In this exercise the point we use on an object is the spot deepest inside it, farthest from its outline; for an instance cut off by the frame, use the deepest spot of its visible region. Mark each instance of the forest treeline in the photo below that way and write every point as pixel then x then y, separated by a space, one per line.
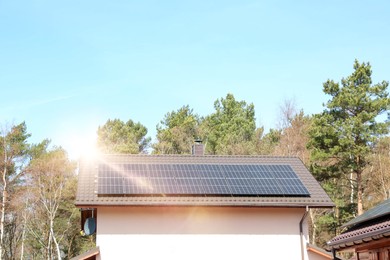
pixel 346 147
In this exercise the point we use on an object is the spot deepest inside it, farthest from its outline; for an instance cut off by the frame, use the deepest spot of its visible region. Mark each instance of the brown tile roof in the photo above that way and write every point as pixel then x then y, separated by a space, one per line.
pixel 361 235
pixel 374 224
pixel 88 171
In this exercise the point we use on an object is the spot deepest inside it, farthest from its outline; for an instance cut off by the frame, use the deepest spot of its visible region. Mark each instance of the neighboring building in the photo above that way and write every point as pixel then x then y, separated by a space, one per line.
pixel 200 207
pixel 316 253
pixel 368 235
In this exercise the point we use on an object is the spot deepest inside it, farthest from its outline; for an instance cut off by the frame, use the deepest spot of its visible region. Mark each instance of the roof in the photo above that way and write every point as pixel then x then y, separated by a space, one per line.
pixel 87 193
pixel 378 211
pixel 372 225
pixel 319 251
pixel 361 235
pixel 89 255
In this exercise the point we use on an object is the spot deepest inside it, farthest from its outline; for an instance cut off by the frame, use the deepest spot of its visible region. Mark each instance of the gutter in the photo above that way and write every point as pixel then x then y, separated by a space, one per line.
pixel 301 232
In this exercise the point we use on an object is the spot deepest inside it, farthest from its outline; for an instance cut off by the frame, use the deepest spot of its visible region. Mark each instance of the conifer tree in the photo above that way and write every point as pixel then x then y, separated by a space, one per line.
pixel 342 135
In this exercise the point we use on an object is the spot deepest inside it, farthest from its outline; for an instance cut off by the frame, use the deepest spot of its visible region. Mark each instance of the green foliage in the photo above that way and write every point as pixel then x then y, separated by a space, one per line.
pixel 52 190
pixel 231 128
pixel 37 150
pixel 348 127
pixel 38 198
pixel 177 132
pixel 50 197
pixel 267 143
pixel 341 137
pixel 13 159
pixel 116 136
pixel 13 150
pixel 324 227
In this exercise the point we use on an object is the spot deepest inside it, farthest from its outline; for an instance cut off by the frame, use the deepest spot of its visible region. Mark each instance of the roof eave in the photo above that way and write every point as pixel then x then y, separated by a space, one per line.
pixel 352 242
pixel 253 205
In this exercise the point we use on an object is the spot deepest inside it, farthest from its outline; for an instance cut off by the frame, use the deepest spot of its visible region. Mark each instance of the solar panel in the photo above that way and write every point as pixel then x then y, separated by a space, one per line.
pixel 199 180
pixel 192 186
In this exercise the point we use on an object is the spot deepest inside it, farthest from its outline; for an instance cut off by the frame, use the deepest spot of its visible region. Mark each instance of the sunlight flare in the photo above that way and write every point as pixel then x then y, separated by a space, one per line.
pixel 79 146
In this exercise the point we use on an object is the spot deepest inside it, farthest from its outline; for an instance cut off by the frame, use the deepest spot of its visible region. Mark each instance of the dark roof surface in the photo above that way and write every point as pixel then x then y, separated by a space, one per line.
pixel 87 193
pixel 381 209
pixel 361 235
pixel 374 224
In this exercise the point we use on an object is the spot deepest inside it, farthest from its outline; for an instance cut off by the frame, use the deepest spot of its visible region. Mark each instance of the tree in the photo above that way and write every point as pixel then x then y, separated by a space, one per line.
pixel 177 132
pixel 267 143
pixel 37 184
pixel 287 111
pixel 342 135
pixel 52 183
pixel 294 138
pixel 116 136
pixel 378 173
pixel 231 129
pixel 294 127
pixel 14 157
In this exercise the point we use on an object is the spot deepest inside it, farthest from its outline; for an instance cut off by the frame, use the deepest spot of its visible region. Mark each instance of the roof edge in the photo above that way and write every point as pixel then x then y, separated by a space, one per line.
pixel 89 205
pixel 90 253
pixel 319 251
pixel 365 220
pixel 348 239
pixel 191 155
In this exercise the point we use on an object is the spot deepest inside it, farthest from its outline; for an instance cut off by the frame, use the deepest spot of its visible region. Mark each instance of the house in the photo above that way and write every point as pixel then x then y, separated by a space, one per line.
pixel 199 207
pixel 367 235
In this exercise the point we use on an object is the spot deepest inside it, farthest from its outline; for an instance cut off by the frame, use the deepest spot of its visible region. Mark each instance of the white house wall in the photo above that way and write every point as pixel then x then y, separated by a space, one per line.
pixel 199 233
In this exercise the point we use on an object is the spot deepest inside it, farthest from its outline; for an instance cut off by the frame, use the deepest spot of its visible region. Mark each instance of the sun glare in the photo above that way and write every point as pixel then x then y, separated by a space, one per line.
pixel 82 147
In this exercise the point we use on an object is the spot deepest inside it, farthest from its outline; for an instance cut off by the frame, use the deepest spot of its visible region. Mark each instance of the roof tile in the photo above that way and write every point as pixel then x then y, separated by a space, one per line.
pixel 360 234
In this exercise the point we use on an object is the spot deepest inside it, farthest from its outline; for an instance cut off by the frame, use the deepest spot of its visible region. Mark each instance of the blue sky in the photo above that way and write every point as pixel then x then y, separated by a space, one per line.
pixel 68 66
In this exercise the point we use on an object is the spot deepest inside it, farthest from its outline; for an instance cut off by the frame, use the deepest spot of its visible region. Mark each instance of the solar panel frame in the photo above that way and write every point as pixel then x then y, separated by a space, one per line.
pixel 199 180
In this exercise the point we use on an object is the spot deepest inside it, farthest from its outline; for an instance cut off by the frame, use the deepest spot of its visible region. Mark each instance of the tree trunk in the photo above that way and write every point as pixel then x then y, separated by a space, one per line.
pixel 3 202
pixel 352 187
pixel 24 230
pixel 23 239
pixel 314 228
pixel 48 247
pixel 54 239
pixel 359 193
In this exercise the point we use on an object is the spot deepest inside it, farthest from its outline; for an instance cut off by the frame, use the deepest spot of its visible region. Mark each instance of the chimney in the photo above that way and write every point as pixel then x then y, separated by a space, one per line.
pixel 198 148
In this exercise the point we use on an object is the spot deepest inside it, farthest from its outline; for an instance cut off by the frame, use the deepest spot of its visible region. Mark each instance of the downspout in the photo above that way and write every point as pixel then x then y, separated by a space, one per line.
pixel 301 232
pixel 334 254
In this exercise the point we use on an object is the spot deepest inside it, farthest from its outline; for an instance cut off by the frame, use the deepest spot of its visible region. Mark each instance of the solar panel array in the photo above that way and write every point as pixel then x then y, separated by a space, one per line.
pixel 198 180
